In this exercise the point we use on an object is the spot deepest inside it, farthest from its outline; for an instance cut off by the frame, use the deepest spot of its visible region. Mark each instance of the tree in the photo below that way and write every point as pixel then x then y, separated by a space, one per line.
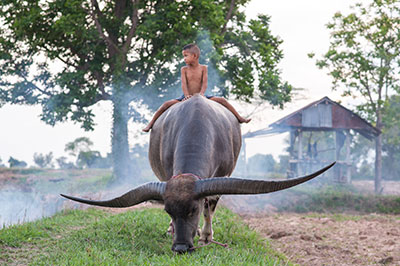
pixel 92 159
pixel 82 144
pixel 43 160
pixel 81 148
pixel 68 55
pixel 364 57
pixel 16 163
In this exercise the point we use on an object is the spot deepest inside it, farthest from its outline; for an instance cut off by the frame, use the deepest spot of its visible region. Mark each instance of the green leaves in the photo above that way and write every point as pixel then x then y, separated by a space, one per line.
pixel 364 53
pixel 249 63
pixel 68 55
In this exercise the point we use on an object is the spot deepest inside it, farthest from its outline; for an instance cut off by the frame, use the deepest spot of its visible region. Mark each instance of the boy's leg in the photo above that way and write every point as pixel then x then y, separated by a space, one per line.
pixel 159 112
pixel 225 103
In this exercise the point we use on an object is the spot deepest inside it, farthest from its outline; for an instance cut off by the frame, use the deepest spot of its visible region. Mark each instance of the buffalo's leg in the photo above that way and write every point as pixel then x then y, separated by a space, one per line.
pixel 171 230
pixel 206 234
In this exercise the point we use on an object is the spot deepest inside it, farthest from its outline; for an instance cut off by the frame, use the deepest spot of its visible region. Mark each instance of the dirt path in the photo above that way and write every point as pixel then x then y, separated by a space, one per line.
pixel 316 239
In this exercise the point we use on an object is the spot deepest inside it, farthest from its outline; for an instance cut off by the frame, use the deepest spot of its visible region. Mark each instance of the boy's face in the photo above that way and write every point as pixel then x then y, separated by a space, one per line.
pixel 189 57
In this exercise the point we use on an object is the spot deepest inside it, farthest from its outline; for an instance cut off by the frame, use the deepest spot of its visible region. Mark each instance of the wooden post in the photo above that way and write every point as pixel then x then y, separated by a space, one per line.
pixel 348 158
pixel 300 154
pixel 292 140
pixel 338 167
pixel 292 165
pixel 337 146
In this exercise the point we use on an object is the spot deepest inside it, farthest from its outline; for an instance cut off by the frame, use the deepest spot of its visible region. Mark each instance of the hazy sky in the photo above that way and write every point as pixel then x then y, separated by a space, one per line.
pixel 300 24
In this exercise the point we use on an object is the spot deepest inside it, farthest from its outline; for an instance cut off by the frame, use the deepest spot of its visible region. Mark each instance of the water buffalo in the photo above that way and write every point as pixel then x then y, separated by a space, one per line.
pixel 194 146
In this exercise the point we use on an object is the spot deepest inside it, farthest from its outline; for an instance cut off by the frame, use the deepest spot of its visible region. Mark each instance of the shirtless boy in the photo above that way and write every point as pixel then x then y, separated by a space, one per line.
pixel 194 80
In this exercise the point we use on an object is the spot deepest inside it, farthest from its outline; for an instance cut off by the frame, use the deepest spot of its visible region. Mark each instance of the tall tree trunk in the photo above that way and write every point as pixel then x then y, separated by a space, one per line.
pixel 378 156
pixel 120 145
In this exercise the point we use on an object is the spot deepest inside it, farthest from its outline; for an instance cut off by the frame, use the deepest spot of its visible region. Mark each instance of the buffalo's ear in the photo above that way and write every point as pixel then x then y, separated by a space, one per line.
pixel 226 185
pixel 148 191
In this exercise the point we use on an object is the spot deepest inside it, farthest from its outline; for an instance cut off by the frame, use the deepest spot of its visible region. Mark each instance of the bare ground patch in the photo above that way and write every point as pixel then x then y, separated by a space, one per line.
pixel 320 239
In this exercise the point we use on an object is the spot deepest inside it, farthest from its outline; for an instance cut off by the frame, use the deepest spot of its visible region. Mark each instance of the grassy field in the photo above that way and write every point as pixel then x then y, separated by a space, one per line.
pixel 97 237
pixel 340 199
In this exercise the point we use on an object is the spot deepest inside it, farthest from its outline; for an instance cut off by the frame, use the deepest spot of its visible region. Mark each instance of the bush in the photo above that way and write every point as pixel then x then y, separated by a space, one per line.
pixel 43 161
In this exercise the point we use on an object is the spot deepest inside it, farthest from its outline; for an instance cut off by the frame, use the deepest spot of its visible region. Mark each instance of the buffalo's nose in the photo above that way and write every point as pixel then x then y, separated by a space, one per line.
pixel 180 248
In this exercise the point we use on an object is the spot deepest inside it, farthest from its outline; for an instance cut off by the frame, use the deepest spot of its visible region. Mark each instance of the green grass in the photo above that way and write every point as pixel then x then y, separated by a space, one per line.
pixel 96 237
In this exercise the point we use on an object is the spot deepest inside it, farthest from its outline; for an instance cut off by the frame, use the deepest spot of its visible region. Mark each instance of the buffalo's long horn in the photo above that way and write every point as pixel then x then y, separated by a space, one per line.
pixel 222 185
pixel 148 191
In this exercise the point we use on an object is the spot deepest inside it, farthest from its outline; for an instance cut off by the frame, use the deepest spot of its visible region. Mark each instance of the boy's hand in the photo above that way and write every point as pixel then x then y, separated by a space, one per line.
pixel 186 97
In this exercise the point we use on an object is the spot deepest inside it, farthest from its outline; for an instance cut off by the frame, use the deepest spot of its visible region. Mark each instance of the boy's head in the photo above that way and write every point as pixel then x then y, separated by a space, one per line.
pixel 192 49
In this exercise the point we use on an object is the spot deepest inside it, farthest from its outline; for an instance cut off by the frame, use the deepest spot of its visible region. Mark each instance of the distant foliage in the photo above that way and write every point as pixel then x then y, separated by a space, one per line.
pixel 140 158
pixel 43 160
pixel 82 144
pixel 16 163
pixel 283 165
pixel 93 159
pixel 364 171
pixel 262 166
pixel 261 163
pixel 64 164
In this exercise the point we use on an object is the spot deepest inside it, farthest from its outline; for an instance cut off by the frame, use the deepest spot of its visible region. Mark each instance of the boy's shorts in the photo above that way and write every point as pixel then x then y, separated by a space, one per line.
pixel 183 97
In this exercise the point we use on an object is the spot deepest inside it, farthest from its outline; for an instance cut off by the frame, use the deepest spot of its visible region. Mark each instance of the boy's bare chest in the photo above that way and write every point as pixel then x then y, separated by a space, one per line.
pixel 194 75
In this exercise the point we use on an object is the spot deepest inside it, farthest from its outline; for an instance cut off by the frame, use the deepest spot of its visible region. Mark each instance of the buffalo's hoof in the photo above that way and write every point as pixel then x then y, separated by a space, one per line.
pixel 205 239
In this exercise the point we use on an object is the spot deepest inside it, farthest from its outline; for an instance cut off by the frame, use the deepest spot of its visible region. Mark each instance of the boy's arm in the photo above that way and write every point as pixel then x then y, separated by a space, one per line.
pixel 184 82
pixel 204 81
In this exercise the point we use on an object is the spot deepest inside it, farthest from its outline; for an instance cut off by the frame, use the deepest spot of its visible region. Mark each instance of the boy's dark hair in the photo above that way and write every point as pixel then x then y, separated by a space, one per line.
pixel 192 48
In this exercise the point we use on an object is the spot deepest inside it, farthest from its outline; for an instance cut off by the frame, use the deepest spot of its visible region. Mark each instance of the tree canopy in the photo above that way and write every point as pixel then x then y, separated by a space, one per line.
pixel 43 160
pixel 68 55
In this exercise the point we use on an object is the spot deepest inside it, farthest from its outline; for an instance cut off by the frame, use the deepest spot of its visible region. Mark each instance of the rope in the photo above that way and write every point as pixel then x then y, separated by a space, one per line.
pixel 178 175
pixel 209 243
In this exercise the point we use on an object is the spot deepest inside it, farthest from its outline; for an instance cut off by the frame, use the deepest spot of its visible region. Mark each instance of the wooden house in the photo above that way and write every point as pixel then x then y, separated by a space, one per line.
pixel 326 116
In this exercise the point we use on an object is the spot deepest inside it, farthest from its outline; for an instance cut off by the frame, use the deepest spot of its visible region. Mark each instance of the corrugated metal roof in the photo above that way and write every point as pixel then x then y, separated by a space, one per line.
pixel 321 115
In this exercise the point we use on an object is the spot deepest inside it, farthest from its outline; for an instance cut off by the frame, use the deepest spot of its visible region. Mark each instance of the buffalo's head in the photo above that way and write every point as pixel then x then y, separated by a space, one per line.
pixel 183 198
pixel 184 207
